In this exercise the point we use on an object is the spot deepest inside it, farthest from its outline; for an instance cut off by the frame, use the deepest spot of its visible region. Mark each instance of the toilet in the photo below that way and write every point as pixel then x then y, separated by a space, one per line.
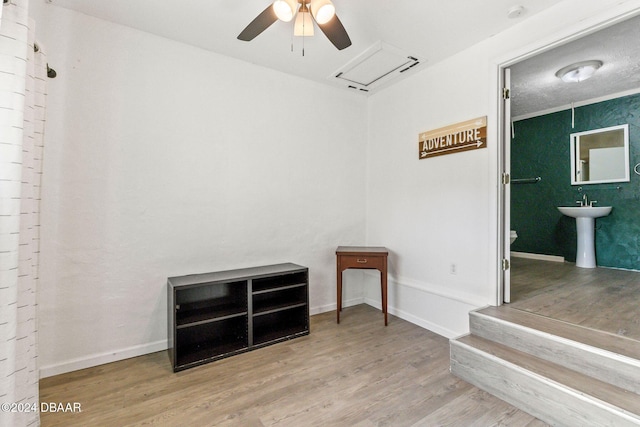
pixel 513 236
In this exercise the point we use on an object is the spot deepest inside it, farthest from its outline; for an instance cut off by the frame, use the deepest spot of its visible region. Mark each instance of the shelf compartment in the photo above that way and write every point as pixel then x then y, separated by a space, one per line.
pixel 213 340
pixel 280 288
pixel 198 355
pixel 276 308
pixel 288 297
pixel 210 302
pixel 282 281
pixel 206 313
pixel 280 325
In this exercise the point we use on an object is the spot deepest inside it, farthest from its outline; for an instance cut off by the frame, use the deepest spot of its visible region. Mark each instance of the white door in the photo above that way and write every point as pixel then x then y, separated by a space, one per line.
pixel 505 189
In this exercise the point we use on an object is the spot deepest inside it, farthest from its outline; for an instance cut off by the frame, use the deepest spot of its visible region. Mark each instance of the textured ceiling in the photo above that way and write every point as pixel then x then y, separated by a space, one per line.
pixel 536 88
pixel 429 30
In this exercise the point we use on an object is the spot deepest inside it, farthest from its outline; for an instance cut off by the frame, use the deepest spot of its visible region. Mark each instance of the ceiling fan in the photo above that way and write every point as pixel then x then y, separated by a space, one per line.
pixel 321 11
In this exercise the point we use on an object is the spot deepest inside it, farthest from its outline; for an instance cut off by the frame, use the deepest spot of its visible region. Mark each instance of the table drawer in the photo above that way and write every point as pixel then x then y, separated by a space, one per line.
pixel 361 261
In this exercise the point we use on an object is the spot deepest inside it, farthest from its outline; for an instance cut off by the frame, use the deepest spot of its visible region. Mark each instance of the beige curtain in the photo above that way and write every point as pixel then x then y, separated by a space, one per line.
pixel 22 105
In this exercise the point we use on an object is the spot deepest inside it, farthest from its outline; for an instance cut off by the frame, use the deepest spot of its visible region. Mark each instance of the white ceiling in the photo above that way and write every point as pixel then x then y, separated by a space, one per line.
pixel 536 88
pixel 429 30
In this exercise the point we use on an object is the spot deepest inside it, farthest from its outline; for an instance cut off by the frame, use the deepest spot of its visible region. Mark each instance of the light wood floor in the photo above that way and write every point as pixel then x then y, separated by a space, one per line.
pixel 599 298
pixel 358 373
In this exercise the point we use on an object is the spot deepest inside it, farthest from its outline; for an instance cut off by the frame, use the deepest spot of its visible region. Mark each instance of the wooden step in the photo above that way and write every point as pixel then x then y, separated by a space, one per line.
pixel 607 357
pixel 548 391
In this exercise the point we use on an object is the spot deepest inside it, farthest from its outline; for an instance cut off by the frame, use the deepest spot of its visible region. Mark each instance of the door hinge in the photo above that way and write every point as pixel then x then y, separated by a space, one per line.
pixel 506 178
pixel 506 93
pixel 505 264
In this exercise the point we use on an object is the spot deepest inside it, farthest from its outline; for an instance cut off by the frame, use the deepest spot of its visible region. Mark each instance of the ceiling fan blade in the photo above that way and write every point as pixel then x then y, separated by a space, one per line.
pixel 335 32
pixel 259 24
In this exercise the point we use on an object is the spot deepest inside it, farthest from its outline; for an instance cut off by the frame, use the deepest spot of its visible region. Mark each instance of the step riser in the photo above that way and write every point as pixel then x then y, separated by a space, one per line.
pixel 536 395
pixel 609 367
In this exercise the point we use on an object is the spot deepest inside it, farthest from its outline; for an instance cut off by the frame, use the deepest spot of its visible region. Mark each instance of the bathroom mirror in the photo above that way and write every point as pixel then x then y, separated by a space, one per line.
pixel 600 156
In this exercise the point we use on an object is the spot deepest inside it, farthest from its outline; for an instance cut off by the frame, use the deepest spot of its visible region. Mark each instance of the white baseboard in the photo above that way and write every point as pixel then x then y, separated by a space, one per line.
pixel 540 257
pixel 100 359
pixel 433 327
pixel 332 307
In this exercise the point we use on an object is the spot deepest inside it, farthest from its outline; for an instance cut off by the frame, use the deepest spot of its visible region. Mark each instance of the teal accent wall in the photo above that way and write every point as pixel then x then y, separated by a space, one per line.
pixel 540 147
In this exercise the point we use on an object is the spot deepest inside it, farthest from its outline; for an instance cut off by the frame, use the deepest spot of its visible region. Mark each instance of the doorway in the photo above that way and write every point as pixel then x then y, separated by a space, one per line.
pixel 523 97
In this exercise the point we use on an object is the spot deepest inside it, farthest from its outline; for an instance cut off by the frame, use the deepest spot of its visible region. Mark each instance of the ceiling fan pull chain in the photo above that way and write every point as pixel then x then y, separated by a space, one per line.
pixel 304 21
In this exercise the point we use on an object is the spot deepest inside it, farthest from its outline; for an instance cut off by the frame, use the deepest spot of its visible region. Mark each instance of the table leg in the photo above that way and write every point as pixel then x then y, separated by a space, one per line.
pixel 339 292
pixel 383 280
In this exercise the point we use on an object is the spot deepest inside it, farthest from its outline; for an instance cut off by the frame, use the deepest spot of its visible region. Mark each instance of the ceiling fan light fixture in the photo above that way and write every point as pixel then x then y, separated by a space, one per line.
pixel 323 11
pixel 285 9
pixel 579 71
pixel 304 24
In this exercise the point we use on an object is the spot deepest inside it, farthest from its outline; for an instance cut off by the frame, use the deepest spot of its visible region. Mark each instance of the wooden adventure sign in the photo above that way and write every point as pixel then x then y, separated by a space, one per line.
pixel 464 136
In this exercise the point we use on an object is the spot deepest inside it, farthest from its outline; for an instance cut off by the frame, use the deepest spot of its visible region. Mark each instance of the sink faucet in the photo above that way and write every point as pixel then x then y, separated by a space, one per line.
pixel 584 201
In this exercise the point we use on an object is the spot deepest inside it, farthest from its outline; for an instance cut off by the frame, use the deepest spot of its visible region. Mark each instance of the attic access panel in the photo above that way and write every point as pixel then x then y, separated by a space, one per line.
pixel 376 66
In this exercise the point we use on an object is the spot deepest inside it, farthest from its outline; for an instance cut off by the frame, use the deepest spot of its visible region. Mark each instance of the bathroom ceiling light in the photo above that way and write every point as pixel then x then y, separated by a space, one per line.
pixel 515 12
pixel 579 71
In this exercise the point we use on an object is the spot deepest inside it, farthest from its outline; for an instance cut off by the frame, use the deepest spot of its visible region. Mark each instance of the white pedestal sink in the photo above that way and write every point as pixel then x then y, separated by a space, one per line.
pixel 585 224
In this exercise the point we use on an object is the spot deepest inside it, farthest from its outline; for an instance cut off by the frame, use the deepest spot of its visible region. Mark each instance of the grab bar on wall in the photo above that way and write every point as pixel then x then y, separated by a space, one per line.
pixel 526 180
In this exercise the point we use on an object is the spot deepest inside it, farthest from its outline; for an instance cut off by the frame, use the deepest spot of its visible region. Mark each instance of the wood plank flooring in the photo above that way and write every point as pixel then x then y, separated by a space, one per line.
pixel 599 298
pixel 358 373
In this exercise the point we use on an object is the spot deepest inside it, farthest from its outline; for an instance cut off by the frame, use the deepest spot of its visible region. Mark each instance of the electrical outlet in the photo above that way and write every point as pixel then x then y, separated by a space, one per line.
pixel 453 268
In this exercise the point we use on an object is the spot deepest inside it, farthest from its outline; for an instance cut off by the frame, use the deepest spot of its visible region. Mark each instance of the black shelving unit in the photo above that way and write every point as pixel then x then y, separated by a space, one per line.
pixel 216 315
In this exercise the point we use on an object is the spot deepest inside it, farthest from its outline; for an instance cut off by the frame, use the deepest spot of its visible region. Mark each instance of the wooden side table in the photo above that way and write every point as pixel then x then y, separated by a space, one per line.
pixel 363 257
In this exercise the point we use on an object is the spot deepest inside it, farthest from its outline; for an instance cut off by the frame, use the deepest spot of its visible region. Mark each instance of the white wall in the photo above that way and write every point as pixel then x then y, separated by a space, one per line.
pixel 441 211
pixel 162 159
